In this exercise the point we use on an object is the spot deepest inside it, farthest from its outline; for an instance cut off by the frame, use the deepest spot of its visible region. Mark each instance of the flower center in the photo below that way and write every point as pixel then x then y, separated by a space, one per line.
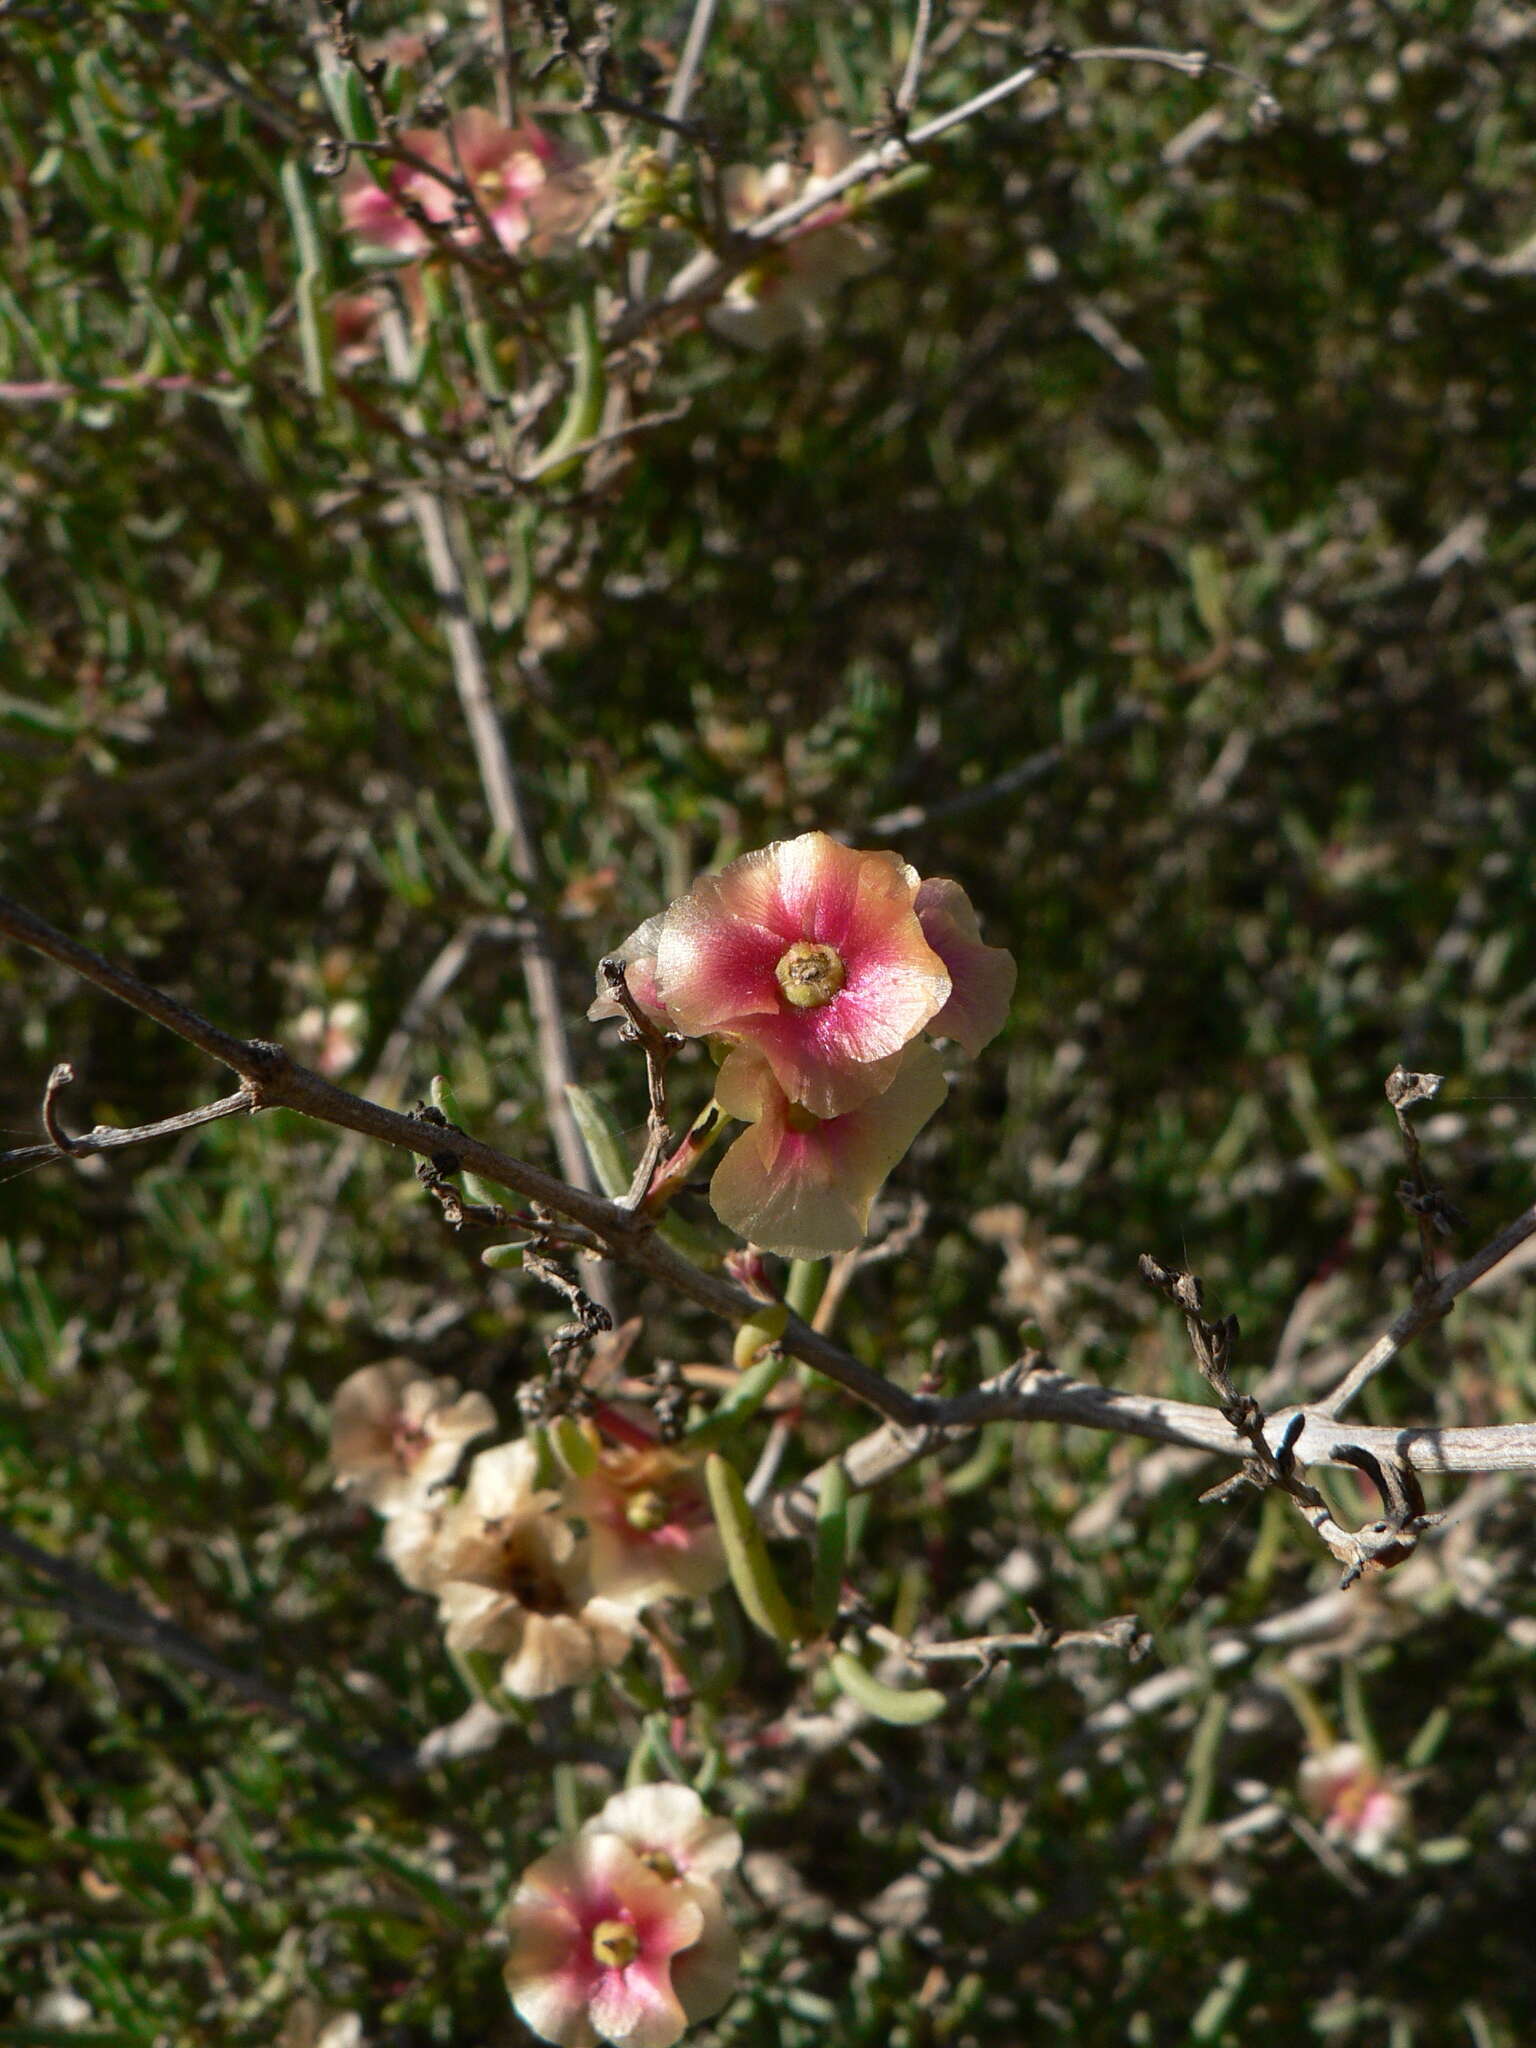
pixel 801 1119
pixel 659 1861
pixel 646 1511
pixel 407 1443
pixel 615 1944
pixel 810 974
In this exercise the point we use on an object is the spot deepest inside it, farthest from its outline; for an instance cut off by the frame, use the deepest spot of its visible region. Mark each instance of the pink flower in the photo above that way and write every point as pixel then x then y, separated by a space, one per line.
pixel 508 169
pixel 649 1527
pixel 1357 1803
pixel 802 1185
pixel 595 1935
pixel 675 1835
pixel 672 1831
pixel 812 955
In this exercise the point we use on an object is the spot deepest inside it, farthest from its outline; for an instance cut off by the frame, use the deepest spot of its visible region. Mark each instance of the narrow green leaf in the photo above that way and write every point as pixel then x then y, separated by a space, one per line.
pixel 886 1702
pixel 752 1574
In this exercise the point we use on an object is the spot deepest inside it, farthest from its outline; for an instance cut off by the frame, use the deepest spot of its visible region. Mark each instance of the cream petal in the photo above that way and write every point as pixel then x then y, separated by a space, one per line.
pixel 704 1976
pixel 983 976
pixel 675 1820
pixel 410 1543
pixel 547 1975
pixel 805 1194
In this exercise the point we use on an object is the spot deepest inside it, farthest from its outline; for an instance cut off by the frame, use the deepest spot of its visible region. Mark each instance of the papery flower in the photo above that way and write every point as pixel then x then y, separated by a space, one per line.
pixel 508 168
pixel 396 1434
pixel 675 1835
pixel 410 1544
pixel 802 1185
pixel 512 1580
pixel 812 955
pixel 1357 1802
pixel 780 296
pixel 597 1941
pixel 649 1527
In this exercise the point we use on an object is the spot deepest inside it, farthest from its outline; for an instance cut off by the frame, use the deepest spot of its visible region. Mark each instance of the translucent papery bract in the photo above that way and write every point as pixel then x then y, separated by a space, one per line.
pixel 650 1533
pixel 594 1934
pixel 675 1835
pixel 638 953
pixel 723 947
pixel 982 977
pixel 802 1186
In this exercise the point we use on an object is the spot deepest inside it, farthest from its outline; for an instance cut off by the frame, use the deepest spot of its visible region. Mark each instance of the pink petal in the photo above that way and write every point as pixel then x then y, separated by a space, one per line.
pixel 637 2007
pixel 717 954
pixel 983 976
pixel 551 1972
pixel 376 217
pixel 807 1193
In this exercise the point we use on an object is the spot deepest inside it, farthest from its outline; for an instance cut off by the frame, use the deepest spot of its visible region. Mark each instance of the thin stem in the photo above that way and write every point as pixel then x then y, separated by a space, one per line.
pixel 912 76
pixel 503 795
pixel 1427 1308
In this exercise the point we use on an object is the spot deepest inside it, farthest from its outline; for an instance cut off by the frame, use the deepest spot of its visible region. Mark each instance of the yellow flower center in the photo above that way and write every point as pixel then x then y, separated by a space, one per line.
pixel 799 1118
pixel 810 974
pixel 646 1511
pixel 659 1861
pixel 615 1944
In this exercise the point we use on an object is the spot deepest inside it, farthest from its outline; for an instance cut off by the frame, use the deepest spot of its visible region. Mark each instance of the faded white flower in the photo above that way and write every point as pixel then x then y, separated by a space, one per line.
pixel 396 1434
pixel 513 1580
pixel 780 295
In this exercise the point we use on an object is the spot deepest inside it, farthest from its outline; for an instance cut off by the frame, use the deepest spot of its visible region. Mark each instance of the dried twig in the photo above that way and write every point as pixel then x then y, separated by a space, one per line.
pixel 912 76
pixel 913 817
pixel 703 278
pixel 1427 1205
pixel 1427 1308
pixel 659 1047
pixel 503 796
pixel 1378 1545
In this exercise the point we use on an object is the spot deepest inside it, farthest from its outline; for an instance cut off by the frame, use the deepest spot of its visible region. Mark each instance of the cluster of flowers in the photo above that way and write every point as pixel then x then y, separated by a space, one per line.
pixel 620 1934
pixel 546 1570
pixel 781 296
pixel 531 193
pixel 817 970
